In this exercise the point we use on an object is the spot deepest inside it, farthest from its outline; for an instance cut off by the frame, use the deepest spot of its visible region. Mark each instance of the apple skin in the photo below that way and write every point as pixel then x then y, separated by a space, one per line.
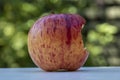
pixel 55 42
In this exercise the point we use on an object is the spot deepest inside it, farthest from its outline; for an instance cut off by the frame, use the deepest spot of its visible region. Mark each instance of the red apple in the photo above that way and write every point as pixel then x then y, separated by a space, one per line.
pixel 55 42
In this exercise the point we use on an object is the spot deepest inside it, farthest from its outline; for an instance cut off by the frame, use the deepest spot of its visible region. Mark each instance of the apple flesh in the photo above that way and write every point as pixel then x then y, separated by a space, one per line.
pixel 55 42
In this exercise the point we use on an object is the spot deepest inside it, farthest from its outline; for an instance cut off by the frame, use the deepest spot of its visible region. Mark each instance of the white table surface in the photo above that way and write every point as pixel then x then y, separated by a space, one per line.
pixel 85 73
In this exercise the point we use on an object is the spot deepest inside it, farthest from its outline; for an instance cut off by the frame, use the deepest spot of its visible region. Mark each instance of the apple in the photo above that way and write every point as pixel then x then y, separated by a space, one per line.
pixel 55 42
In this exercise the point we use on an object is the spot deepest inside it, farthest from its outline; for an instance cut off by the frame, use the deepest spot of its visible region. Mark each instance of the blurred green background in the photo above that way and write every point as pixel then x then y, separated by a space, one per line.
pixel 101 33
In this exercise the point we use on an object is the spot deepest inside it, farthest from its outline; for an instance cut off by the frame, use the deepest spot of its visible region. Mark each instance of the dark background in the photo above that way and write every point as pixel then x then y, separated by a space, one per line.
pixel 101 33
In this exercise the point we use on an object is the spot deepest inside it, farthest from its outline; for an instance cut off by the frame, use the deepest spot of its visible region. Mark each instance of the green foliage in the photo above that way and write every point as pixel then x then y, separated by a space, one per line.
pixel 97 40
pixel 101 32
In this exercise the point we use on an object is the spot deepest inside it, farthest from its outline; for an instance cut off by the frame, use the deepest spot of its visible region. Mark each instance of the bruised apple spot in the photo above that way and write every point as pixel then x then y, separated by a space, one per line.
pixel 54 29
pixel 50 60
pixel 68 28
pixel 68 42
pixel 52 55
pixel 80 42
pixel 43 45
pixel 47 31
